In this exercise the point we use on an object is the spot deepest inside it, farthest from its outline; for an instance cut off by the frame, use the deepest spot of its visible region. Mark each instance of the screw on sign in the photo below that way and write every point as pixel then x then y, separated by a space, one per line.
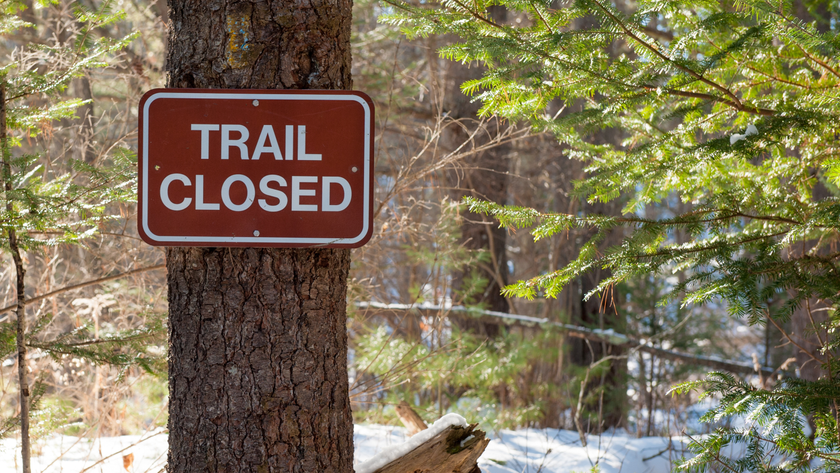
pixel 255 168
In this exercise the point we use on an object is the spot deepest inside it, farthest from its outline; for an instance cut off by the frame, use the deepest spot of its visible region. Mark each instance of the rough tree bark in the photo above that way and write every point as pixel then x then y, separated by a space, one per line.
pixel 258 347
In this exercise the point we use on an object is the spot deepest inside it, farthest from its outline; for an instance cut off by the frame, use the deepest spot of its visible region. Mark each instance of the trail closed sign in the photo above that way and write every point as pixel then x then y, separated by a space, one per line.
pixel 255 168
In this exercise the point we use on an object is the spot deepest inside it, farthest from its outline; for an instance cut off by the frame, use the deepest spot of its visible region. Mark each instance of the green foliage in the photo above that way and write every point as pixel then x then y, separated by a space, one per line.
pixel 52 415
pixel 124 349
pixel 67 202
pixel 467 371
pixel 148 408
pixel 51 201
pixel 734 111
pixel 775 420
pixel 444 253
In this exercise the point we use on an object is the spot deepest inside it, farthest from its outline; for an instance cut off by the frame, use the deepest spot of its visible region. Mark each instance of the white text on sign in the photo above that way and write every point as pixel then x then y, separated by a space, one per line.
pixel 266 143
pixel 269 193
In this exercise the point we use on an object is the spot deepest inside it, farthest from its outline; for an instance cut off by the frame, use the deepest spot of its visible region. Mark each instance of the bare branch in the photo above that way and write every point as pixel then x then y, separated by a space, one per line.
pixel 81 285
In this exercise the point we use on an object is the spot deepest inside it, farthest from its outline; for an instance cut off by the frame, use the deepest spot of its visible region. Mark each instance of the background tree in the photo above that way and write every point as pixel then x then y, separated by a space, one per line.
pixel 417 253
pixel 732 111
pixel 52 203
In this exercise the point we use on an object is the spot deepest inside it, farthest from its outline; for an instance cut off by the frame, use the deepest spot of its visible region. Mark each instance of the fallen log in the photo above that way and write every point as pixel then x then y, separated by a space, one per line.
pixel 448 446
pixel 592 334
pixel 455 450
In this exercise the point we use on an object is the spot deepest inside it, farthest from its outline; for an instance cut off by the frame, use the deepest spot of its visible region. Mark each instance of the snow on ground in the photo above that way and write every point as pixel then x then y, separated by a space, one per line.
pixel 552 450
pixel 510 451
pixel 66 454
pixel 546 450
pixel 400 450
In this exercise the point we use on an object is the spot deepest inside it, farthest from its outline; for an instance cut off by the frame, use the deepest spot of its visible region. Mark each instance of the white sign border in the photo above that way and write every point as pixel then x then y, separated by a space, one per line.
pixel 250 239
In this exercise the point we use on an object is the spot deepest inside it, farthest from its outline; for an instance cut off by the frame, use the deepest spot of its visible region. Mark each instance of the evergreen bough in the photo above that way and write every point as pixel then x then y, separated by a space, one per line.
pixel 50 202
pixel 733 110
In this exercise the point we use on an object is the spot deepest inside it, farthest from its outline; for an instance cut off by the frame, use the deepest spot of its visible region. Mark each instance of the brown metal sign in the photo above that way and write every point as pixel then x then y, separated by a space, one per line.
pixel 255 168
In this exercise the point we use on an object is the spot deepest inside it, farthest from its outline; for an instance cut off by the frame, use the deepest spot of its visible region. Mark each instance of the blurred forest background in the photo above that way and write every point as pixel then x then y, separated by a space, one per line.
pixel 427 322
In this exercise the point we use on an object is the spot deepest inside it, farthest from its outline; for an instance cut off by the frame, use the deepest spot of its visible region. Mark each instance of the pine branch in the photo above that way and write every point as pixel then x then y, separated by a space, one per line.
pixel 478 16
pixel 733 98
pixel 820 62
pixel 713 98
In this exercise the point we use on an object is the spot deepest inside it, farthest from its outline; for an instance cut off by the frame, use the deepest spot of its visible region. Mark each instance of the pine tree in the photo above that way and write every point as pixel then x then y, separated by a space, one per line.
pixel 733 110
pixel 45 203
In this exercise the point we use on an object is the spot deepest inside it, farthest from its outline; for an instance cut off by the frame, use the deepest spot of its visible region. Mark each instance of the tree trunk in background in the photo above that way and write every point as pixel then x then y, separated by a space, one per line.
pixel 483 175
pixel 258 344
pixel 603 313
pixel 806 319
pixel 542 178
pixel 552 178
pixel 608 406
pixel 84 136
pixel 550 188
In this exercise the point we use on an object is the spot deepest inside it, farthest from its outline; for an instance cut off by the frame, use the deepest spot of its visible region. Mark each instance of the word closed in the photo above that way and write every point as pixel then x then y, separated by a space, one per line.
pixel 255 168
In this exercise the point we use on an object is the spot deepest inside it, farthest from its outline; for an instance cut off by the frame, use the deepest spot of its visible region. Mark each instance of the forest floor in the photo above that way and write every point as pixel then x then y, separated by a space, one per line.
pixel 510 451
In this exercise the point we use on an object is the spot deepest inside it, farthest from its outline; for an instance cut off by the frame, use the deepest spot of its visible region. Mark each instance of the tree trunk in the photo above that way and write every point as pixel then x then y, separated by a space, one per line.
pixel 602 312
pixel 484 175
pixel 84 149
pixel 20 289
pixel 258 344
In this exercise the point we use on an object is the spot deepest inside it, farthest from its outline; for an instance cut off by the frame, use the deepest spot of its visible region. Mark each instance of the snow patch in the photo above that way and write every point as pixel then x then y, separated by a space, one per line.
pixel 736 137
pixel 398 451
